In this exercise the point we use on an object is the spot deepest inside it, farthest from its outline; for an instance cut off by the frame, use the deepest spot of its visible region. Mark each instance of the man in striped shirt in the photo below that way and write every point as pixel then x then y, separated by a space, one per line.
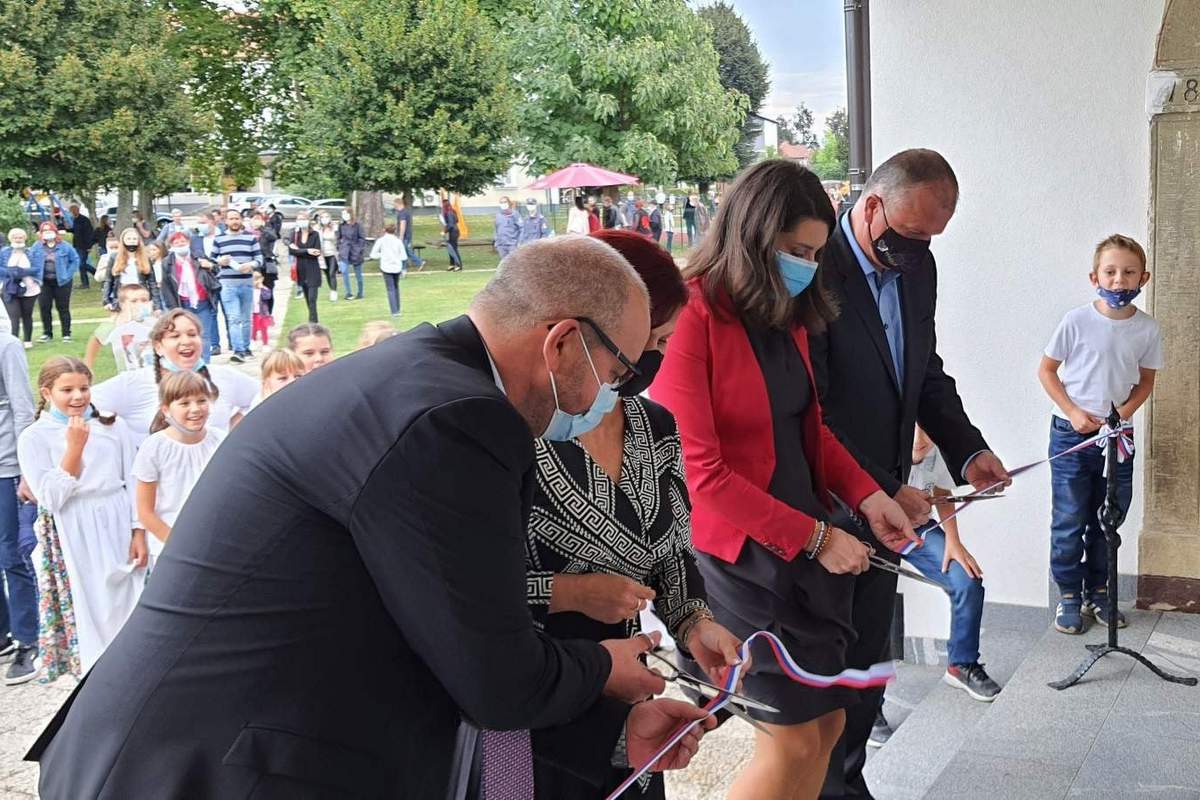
pixel 237 254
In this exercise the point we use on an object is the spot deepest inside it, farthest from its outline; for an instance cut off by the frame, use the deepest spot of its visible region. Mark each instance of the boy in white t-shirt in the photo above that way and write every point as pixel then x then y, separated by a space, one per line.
pixel 1101 354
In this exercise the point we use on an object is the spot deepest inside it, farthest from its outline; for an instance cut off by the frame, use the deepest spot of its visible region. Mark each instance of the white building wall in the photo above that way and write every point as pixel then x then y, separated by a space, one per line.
pixel 1040 109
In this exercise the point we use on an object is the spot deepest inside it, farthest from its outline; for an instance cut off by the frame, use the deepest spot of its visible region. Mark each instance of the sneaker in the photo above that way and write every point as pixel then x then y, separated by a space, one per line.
pixel 45 337
pixel 216 351
pixel 23 668
pixel 236 358
pixel 1068 618
pixel 246 355
pixel 1096 607
pixel 66 337
pixel 8 648
pixel 881 731
pixel 973 680
pixel 333 297
pixel 29 345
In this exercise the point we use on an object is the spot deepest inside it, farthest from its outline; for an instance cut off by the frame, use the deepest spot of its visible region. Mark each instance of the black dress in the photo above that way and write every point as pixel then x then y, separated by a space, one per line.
pixel 639 527
pixel 802 603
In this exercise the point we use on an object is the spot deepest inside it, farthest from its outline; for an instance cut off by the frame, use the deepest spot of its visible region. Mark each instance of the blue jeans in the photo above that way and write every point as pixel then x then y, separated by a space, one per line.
pixel 209 334
pixel 345 267
pixel 19 610
pixel 392 282
pixel 237 297
pixel 1078 487
pixel 966 596
pixel 413 258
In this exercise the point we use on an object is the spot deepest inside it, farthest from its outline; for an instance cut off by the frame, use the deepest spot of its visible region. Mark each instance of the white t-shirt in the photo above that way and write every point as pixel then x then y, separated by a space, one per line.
pixel 130 343
pixel 1101 356
pixel 175 467
pixel 931 473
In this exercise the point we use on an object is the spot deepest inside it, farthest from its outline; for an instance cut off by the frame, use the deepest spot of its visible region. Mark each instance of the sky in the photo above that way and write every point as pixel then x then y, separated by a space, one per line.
pixel 804 42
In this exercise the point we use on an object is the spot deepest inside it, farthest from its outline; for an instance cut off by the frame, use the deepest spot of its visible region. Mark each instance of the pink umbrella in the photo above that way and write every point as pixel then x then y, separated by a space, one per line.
pixel 578 175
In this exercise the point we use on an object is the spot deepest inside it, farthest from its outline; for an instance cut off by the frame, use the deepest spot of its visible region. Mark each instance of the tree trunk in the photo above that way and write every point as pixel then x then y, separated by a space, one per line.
pixel 369 211
pixel 124 209
pixel 145 205
pixel 88 198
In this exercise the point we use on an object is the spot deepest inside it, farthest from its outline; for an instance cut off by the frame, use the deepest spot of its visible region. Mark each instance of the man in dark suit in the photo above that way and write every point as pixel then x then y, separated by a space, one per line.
pixel 878 374
pixel 82 238
pixel 346 582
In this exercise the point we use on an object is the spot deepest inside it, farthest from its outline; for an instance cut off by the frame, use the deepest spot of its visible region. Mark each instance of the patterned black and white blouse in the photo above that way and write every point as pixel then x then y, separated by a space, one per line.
pixel 639 527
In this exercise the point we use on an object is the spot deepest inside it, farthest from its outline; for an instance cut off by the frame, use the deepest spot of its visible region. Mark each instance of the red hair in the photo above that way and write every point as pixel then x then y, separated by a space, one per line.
pixel 657 268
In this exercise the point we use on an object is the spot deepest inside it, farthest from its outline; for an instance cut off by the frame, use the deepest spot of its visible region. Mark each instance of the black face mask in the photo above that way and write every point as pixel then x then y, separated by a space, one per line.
pixel 131 248
pixel 648 364
pixel 898 252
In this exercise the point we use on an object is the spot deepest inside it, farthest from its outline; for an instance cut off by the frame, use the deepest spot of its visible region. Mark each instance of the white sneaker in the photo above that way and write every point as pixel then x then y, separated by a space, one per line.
pixel 333 296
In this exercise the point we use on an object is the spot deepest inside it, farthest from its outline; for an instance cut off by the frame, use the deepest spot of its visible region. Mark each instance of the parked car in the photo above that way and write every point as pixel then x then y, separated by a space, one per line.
pixel 287 204
pixel 160 218
pixel 245 202
pixel 334 206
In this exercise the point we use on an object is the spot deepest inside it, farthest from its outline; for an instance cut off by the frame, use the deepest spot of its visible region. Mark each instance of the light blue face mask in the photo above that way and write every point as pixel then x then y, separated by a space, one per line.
pixel 563 426
pixel 64 419
pixel 171 366
pixel 797 273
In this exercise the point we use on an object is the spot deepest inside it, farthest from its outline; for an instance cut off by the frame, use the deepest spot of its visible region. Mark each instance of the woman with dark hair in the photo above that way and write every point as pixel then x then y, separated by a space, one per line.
pixel 609 526
pixel 449 220
pixel 351 248
pixel 761 464
pixel 577 218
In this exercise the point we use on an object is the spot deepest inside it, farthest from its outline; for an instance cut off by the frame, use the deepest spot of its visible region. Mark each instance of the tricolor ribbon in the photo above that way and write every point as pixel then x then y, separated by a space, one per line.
pixel 1124 437
pixel 877 675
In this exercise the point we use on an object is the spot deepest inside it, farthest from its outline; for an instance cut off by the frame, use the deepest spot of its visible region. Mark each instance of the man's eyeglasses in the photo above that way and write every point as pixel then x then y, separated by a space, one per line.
pixel 631 370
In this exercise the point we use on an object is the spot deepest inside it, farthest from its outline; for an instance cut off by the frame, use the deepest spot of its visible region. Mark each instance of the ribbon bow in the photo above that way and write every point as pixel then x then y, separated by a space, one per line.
pixel 1124 435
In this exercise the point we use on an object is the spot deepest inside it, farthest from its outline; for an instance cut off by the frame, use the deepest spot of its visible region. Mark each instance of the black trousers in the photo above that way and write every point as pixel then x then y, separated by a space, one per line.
pixel 269 282
pixel 331 270
pixel 20 314
pixel 874 605
pixel 55 296
pixel 310 297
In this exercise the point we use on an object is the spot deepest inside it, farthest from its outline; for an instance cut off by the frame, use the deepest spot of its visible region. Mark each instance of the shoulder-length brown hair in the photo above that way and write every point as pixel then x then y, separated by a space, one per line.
pixel 736 260
pixel 138 256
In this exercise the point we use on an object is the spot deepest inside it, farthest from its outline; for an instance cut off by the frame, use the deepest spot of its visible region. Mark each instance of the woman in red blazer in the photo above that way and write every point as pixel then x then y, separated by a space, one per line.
pixel 761 464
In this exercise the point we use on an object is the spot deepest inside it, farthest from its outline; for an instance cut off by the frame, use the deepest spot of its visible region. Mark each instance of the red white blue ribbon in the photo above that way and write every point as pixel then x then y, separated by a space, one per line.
pixel 1123 435
pixel 877 675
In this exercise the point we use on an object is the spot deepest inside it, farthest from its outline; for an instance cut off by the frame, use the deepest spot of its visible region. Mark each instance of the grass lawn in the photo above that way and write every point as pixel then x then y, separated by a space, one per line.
pixel 86 315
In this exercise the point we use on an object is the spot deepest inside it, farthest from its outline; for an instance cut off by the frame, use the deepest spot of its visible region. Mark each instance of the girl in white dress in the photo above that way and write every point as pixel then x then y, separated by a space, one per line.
pixel 78 463
pixel 175 338
pixel 170 461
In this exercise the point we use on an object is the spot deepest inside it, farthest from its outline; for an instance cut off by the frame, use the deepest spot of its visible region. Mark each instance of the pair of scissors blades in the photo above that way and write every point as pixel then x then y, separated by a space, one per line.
pixel 883 564
pixel 737 704
pixel 964 498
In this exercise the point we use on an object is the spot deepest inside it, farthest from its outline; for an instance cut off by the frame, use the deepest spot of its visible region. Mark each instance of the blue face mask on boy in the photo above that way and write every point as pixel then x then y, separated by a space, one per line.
pixel 563 426
pixel 798 273
pixel 1117 298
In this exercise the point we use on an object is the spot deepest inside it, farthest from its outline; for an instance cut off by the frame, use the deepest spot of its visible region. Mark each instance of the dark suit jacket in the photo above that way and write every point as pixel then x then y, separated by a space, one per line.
pixel 317 639
pixel 863 401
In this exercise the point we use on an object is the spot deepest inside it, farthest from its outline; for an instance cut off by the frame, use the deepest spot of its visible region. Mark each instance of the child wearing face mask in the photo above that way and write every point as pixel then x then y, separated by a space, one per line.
pixel 20 274
pixel 1101 354
pixel 104 263
pixel 170 461
pixel 260 319
pixel 128 333
pixel 78 464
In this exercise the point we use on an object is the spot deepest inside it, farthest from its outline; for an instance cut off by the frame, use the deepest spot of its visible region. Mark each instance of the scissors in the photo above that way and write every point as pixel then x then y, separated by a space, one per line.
pixel 736 706
pixel 887 566
pixel 964 498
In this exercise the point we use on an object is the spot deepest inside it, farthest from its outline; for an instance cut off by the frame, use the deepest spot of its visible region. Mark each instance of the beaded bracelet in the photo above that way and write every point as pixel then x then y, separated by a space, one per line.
pixel 822 536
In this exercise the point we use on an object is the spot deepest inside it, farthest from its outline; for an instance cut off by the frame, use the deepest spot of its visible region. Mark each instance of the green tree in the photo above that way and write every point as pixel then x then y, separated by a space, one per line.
pixel 400 95
pixel 797 129
pixel 741 67
pixel 631 85
pixel 12 214
pixel 832 161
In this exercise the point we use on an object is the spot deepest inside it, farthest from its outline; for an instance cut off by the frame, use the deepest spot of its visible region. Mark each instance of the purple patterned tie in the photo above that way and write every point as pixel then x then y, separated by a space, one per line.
pixel 507 772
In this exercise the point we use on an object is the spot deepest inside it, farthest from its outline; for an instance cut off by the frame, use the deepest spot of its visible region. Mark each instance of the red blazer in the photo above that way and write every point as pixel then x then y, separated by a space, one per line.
pixel 711 381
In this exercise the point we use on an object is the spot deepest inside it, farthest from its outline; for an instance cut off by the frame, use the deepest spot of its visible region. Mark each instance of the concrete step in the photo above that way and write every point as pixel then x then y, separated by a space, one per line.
pixel 934 720
pixel 1037 742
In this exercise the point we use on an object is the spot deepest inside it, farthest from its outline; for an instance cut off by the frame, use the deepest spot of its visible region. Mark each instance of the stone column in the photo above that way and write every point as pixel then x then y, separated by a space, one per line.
pixel 1169 546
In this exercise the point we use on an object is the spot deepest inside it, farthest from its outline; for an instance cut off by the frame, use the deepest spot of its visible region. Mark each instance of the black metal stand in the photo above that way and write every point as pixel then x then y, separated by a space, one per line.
pixel 1110 519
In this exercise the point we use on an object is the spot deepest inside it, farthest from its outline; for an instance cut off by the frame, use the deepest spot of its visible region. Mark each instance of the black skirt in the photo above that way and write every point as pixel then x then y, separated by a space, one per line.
pixel 807 607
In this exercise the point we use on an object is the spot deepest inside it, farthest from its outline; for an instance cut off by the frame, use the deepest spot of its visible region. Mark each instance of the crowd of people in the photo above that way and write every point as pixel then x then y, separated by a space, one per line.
pixel 655 217
pixel 505 495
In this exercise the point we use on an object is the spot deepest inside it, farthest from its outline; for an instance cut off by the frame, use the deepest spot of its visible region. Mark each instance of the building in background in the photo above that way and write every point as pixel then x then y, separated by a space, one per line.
pixel 799 153
pixel 1065 122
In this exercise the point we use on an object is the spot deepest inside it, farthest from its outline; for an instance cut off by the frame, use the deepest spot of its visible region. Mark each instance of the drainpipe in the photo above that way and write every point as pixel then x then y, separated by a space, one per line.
pixel 858 84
